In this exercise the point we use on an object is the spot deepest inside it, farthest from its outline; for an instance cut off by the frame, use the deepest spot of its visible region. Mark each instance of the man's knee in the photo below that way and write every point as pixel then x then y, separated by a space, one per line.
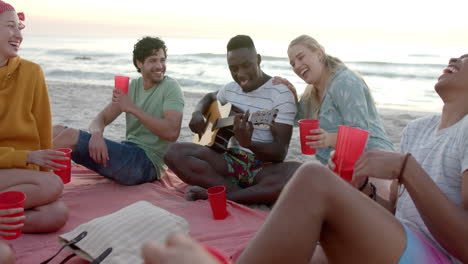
pixel 57 128
pixel 67 138
pixel 277 175
pixel 59 214
pixel 176 154
pixel 47 218
pixel 171 154
pixel 6 254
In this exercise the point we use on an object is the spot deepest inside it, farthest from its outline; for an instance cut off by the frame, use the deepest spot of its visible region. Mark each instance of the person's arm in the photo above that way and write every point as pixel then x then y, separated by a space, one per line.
pixel 204 103
pixel 11 158
pixel 167 127
pixel 197 122
pixel 436 210
pixel 97 146
pixel 42 113
pixel 445 220
pixel 274 151
pixel 103 119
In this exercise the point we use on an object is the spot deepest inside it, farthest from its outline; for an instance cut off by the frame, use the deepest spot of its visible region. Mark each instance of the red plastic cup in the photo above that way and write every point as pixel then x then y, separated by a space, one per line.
pixel 121 83
pixel 10 200
pixel 217 198
pixel 305 125
pixel 350 144
pixel 64 173
pixel 218 255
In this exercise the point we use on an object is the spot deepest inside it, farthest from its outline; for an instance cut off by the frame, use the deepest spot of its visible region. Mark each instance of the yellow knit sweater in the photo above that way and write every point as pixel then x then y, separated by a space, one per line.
pixel 25 118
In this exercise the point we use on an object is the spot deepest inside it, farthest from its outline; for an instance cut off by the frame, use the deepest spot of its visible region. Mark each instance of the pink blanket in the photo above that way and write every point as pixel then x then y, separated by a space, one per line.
pixel 89 196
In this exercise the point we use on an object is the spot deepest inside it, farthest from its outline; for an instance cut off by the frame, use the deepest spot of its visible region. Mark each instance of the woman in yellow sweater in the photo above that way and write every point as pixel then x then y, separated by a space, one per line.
pixel 26 131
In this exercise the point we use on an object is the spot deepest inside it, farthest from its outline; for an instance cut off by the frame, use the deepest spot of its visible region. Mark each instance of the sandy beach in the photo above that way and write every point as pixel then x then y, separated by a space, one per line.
pixel 75 105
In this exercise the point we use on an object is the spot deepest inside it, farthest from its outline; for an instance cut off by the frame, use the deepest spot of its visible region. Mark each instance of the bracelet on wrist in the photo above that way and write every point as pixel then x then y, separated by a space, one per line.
pixel 373 194
pixel 364 184
pixel 403 167
pixel 400 175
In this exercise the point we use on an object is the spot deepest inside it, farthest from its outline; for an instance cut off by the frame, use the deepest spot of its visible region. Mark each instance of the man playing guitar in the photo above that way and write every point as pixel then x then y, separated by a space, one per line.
pixel 252 169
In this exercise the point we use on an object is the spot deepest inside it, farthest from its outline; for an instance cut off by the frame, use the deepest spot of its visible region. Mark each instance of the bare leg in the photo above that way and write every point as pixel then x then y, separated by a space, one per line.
pixel 198 165
pixel 268 184
pixel 317 205
pixel 43 212
pixel 65 138
pixel 56 130
pixel 6 254
pixel 319 256
pixel 46 218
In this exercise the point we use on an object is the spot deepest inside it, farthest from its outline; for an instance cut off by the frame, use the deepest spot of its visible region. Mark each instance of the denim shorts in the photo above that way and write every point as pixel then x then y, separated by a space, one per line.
pixel 127 164
pixel 420 250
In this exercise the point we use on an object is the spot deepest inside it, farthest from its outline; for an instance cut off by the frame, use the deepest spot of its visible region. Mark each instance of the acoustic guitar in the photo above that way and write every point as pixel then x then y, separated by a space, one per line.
pixel 219 122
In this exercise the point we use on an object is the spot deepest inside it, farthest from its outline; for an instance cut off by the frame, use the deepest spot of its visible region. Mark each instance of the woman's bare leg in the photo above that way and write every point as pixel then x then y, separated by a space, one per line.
pixel 46 218
pixel 316 205
pixel 43 212
pixel 6 254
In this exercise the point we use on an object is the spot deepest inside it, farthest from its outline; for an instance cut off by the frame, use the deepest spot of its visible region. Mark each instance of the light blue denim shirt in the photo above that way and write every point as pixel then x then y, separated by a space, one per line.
pixel 347 101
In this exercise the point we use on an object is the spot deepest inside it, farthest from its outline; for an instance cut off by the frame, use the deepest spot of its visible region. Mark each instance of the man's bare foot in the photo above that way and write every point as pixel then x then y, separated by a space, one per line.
pixel 194 192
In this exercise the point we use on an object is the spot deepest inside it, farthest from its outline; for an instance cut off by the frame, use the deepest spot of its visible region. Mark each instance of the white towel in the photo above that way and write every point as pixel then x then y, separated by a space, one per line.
pixel 125 231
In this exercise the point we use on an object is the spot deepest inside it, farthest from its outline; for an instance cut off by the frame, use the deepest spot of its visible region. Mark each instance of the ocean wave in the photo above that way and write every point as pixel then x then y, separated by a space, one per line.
pixel 210 86
pixel 77 53
pixel 397 75
pixel 77 74
pixel 202 55
pixel 424 55
pixel 397 64
pixel 223 56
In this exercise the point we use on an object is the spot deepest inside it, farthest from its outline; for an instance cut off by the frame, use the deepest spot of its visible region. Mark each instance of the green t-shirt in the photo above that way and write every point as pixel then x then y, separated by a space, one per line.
pixel 166 95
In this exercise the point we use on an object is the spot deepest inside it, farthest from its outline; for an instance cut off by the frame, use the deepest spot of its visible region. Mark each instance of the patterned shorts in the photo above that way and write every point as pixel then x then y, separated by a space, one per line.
pixel 242 166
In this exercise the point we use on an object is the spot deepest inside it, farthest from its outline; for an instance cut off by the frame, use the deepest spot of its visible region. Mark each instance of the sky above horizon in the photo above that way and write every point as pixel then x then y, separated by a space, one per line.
pixel 397 21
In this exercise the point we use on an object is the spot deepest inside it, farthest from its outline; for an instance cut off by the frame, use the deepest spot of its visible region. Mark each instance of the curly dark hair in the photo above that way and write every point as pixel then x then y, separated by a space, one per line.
pixel 240 41
pixel 145 47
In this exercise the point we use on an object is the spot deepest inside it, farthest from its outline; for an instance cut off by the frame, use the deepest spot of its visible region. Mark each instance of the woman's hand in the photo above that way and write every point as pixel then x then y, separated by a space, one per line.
pixel 6 220
pixel 331 163
pixel 377 163
pixel 332 166
pixel 278 80
pixel 322 139
pixel 45 158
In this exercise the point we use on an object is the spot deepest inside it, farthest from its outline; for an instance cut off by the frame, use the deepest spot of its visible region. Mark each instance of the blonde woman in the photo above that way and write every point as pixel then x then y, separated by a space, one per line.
pixel 335 95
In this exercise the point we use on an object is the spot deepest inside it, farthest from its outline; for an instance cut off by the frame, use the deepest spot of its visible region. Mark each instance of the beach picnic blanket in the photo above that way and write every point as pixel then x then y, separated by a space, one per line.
pixel 90 195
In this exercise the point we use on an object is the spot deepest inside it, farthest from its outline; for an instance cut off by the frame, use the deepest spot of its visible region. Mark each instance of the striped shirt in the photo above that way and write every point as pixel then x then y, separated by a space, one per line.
pixel 443 154
pixel 266 97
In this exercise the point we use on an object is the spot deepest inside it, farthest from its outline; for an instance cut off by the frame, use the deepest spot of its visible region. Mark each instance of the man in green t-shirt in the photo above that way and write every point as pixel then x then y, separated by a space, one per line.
pixel 153 110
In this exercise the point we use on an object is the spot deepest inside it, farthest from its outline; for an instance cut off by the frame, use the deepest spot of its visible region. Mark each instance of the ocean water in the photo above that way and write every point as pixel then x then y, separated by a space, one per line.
pixel 399 76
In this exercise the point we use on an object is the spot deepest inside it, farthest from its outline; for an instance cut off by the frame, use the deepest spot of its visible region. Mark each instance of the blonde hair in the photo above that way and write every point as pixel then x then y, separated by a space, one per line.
pixel 331 65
